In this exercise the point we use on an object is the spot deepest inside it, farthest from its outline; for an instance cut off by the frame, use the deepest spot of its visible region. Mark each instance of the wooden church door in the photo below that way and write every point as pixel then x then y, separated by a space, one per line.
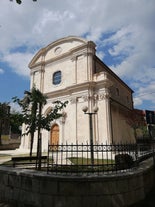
pixel 54 134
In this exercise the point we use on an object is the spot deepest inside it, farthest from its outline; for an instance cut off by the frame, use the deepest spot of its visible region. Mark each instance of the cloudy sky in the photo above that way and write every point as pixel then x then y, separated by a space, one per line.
pixel 123 30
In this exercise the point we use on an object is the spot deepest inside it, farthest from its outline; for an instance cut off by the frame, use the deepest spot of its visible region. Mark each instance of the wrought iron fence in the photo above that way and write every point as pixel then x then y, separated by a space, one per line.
pixel 102 158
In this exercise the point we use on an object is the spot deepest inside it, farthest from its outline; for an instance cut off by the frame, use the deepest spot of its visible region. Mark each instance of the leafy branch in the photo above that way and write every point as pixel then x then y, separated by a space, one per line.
pixel 19 1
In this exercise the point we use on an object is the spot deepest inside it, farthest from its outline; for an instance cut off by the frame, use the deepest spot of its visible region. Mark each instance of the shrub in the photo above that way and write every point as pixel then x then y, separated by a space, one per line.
pixel 123 161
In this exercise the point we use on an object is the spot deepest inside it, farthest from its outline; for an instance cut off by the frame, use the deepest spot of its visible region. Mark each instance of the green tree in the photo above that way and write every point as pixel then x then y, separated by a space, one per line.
pixel 32 105
pixel 16 120
pixel 37 100
pixel 19 1
pixel 4 117
pixel 136 119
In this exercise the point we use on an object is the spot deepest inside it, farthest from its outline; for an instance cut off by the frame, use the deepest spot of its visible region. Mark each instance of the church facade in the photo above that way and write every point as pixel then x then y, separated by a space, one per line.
pixel 69 70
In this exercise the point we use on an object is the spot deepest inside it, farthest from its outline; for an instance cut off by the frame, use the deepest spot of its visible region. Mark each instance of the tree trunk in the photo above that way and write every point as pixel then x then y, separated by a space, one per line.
pixel 39 150
pixel 0 132
pixel 31 145
pixel 0 139
pixel 33 112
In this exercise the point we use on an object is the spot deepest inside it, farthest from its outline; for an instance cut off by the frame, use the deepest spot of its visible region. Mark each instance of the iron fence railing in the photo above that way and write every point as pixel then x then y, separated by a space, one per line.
pixel 77 158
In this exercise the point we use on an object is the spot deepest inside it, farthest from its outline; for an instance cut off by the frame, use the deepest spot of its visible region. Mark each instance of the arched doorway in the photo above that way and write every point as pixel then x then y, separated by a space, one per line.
pixel 54 139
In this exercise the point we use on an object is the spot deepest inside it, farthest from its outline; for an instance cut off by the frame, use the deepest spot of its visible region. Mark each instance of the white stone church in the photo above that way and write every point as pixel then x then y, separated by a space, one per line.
pixel 69 70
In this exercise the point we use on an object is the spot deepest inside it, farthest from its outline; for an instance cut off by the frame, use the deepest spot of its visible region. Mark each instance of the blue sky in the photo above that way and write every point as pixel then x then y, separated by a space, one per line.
pixel 123 31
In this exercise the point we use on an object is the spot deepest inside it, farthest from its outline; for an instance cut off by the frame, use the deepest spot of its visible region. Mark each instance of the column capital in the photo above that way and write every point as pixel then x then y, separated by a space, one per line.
pixel 73 100
pixel 105 94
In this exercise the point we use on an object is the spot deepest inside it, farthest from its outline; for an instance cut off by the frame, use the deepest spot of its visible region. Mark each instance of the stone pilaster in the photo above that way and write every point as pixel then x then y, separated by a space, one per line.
pixel 104 97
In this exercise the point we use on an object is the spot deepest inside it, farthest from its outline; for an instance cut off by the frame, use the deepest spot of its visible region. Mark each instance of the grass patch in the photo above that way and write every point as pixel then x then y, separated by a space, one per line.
pixel 87 161
pixel 83 165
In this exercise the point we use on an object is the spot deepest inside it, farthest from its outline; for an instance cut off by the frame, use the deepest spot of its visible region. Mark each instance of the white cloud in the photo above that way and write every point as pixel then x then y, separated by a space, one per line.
pixel 52 18
pixel 100 54
pixel 130 25
pixel 137 102
pixel 1 71
pixel 15 107
pixel 145 92
pixel 18 62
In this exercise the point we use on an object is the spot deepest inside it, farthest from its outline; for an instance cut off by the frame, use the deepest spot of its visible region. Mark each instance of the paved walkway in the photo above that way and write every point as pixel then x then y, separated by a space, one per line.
pixel 5 155
pixel 14 152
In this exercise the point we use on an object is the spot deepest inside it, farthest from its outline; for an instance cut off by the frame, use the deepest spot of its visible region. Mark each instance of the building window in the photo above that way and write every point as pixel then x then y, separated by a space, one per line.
pixel 117 91
pixel 57 78
pixel 127 98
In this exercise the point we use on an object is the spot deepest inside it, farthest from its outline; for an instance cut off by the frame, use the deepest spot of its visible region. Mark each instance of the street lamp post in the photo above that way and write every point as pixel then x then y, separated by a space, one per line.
pixel 90 114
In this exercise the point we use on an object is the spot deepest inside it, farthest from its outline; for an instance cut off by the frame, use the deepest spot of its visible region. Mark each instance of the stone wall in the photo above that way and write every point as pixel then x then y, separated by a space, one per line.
pixel 27 188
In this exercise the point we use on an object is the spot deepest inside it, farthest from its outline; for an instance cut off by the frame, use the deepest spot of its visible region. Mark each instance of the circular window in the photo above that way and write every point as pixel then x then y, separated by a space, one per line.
pixel 58 50
pixel 57 78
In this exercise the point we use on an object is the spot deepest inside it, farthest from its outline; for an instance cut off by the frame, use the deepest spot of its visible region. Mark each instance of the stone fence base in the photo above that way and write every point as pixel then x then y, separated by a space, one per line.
pixel 27 188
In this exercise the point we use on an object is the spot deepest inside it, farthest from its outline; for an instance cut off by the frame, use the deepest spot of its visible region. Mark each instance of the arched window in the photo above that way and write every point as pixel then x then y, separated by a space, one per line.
pixel 57 78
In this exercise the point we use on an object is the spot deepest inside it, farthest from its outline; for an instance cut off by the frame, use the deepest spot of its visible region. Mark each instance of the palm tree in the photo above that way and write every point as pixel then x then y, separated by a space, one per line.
pixel 32 105
pixel 33 101
pixel 40 100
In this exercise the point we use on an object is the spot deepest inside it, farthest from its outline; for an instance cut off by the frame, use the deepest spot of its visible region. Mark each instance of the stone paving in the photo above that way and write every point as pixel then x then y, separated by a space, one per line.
pixel 5 155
